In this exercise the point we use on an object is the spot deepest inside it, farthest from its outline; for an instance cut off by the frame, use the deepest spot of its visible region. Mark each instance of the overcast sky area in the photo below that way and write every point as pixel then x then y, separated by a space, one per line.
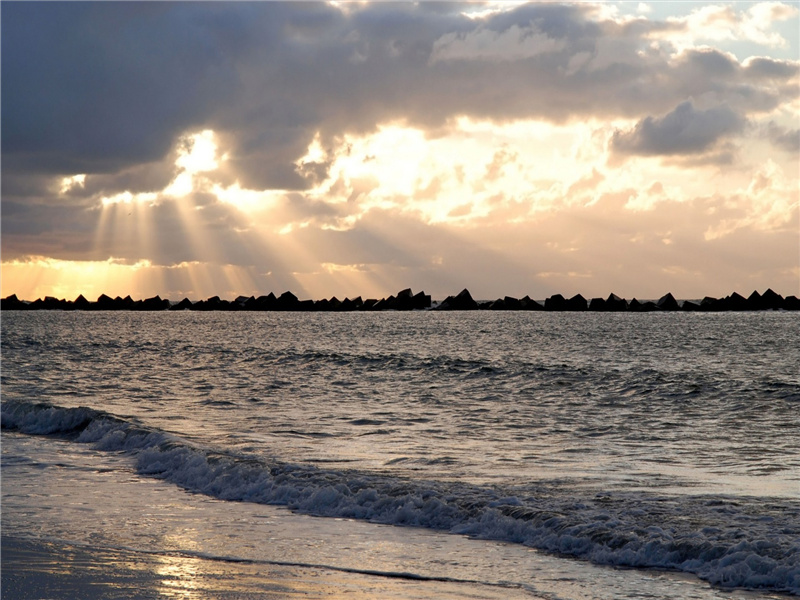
pixel 198 149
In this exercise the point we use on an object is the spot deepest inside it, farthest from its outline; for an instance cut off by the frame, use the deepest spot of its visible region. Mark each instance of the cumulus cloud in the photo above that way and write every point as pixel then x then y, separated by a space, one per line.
pixel 722 22
pixel 685 130
pixel 759 19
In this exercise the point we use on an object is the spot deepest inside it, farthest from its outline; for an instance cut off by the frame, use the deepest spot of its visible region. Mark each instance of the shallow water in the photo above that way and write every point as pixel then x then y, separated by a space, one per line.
pixel 654 440
pixel 80 523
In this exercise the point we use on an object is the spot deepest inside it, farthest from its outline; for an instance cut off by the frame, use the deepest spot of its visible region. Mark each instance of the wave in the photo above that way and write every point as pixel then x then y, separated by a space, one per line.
pixel 623 383
pixel 734 542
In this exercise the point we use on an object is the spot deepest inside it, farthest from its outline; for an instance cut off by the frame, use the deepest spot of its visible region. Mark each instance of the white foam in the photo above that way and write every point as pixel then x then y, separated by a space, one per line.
pixel 732 543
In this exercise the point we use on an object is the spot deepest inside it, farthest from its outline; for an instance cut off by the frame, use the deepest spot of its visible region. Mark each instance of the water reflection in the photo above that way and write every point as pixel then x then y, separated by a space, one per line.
pixel 178 577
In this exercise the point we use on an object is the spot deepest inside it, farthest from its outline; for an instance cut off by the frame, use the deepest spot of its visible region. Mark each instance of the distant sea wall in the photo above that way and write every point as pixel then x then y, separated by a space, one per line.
pixel 407 300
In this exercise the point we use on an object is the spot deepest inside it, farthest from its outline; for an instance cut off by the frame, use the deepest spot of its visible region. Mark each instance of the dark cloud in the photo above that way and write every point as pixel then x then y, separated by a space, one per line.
pixel 95 87
pixel 685 130
pixel 784 138
pixel 147 177
pixel 761 67
pixel 100 87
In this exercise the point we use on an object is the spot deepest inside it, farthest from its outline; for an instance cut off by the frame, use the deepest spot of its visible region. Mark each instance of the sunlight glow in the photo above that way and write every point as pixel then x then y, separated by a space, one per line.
pixel 351 280
pixel 392 157
pixel 198 152
pixel 473 170
pixel 472 174
pixel 770 202
pixel 39 276
pixel 315 152
pixel 248 201
pixel 128 198
pixel 70 182
pixel 483 10
pixel 181 186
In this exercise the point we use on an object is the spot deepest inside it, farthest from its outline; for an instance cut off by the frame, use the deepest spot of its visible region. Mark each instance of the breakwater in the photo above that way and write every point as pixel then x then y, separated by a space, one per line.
pixel 407 300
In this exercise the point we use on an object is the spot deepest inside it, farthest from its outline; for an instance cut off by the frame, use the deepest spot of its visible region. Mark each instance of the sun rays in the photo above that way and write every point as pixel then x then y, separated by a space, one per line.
pixel 203 233
pixel 40 276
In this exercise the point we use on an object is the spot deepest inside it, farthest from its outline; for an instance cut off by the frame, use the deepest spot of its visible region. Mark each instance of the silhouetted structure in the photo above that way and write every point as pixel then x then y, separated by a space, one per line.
pixel 463 301
pixel 406 300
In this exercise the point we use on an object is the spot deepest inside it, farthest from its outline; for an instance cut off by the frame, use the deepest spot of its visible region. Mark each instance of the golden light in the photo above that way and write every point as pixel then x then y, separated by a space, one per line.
pixel 249 202
pixel 463 174
pixel 67 183
pixel 392 158
pixel 127 197
pixel 348 281
pixel 469 174
pixel 127 220
pixel 198 152
pixel 483 10
pixel 315 152
pixel 241 281
pixel 38 276
pixel 178 575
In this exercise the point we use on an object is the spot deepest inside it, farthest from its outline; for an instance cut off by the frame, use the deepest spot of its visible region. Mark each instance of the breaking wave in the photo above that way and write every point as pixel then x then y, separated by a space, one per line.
pixel 729 541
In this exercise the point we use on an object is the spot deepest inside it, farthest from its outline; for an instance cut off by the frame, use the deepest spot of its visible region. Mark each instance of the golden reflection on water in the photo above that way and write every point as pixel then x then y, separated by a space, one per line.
pixel 178 575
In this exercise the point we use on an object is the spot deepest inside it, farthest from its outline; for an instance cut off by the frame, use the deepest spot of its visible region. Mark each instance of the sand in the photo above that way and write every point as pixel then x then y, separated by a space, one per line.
pixel 33 569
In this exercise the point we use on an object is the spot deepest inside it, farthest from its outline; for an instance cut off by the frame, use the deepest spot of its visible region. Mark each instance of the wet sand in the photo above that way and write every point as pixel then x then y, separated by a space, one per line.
pixel 33 569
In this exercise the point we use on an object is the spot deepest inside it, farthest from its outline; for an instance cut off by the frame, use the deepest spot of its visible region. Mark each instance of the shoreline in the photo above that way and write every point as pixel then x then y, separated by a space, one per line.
pixel 57 569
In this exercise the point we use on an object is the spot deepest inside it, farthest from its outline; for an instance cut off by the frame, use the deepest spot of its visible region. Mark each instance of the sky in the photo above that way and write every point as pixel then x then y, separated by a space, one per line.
pixel 193 149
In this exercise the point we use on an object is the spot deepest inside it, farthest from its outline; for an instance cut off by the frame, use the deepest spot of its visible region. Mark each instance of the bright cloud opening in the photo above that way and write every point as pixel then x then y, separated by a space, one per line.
pixel 198 152
pixel 128 198
pixel 67 183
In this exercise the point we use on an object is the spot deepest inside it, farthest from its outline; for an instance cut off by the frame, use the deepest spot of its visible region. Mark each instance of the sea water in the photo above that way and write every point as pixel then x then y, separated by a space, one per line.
pixel 557 455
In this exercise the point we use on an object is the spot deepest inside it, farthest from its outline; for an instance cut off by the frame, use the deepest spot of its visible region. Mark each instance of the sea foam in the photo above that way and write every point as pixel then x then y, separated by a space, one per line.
pixel 728 541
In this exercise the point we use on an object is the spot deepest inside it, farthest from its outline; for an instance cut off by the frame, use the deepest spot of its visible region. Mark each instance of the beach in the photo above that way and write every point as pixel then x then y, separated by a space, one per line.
pixel 152 540
pixel 142 538
pixel 52 570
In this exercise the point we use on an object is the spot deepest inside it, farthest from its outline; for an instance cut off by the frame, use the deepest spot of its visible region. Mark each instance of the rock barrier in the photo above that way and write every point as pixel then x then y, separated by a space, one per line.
pixel 406 300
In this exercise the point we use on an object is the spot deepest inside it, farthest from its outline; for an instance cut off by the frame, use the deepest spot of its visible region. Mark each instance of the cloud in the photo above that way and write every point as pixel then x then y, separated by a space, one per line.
pixel 89 100
pixel 759 18
pixel 501 158
pixel 785 138
pixel 380 92
pixel 760 67
pixel 515 43
pixel 770 202
pixel 720 22
pixel 85 101
pixel 714 239
pixel 685 130
pixel 269 77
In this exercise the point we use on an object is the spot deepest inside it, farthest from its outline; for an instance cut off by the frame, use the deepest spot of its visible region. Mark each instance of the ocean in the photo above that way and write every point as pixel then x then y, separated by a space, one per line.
pixel 400 455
